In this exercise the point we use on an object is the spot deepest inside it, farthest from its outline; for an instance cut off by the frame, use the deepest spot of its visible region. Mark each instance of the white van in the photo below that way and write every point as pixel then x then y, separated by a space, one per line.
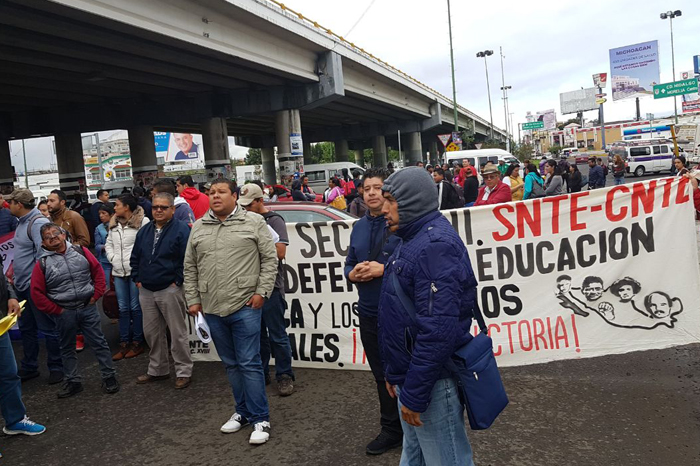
pixel 479 157
pixel 569 152
pixel 645 156
pixel 320 174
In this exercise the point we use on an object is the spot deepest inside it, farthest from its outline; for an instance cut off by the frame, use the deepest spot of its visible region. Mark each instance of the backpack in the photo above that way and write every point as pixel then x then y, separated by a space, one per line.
pixel 350 190
pixel 460 194
pixel 537 190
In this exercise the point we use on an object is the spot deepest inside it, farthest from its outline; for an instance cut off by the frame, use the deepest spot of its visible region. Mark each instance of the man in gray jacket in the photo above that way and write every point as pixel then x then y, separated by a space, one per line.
pixel 230 270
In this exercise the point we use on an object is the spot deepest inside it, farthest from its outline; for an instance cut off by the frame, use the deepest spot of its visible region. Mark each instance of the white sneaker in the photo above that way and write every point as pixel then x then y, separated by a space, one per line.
pixel 234 424
pixel 261 433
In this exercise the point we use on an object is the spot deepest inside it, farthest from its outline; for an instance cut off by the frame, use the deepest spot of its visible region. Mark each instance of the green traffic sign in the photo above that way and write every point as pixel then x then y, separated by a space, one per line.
pixel 687 86
pixel 533 125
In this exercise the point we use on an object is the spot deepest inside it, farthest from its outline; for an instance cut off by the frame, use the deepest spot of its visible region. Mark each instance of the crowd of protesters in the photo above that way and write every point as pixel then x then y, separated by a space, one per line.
pixel 218 256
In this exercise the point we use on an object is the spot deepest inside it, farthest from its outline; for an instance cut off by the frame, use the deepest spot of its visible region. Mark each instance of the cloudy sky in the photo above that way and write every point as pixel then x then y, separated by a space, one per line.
pixel 549 47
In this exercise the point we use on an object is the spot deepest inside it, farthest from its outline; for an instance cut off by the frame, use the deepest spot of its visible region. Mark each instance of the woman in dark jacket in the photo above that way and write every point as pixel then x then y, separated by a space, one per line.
pixel 297 194
pixel 574 179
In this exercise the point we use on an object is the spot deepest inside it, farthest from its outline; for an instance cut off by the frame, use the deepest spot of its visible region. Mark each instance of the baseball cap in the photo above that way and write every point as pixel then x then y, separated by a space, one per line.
pixel 249 192
pixel 207 185
pixel 23 196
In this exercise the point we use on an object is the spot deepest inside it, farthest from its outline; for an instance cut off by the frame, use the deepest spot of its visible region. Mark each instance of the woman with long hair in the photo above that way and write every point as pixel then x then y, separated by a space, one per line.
pixel 679 162
pixel 513 179
pixel 575 179
pixel 618 169
pixel 554 184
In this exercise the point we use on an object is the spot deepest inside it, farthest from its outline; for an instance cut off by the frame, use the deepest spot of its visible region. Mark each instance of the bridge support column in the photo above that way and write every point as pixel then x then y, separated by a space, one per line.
pixel 6 174
pixel 71 165
pixel 268 165
pixel 434 153
pixel 217 161
pixel 307 153
pixel 414 150
pixel 341 150
pixel 379 151
pixel 360 155
pixel 144 165
pixel 290 147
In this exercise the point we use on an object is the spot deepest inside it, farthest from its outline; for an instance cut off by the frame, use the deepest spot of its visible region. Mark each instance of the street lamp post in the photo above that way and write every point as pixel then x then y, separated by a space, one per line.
pixel 670 15
pixel 452 62
pixel 505 88
pixel 484 54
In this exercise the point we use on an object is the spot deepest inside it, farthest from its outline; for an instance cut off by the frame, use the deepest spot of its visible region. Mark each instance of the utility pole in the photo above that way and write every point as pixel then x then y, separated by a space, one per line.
pixel 484 54
pixel 99 159
pixel 504 88
pixel 452 63
pixel 601 118
pixel 26 175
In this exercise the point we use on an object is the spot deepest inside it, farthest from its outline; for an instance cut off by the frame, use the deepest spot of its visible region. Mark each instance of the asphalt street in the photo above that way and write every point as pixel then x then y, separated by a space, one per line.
pixel 638 408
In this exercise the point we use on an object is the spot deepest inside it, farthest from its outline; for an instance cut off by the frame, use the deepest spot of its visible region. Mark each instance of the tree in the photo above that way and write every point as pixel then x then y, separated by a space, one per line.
pixel 569 121
pixel 253 157
pixel 323 152
pixel 523 152
pixel 555 150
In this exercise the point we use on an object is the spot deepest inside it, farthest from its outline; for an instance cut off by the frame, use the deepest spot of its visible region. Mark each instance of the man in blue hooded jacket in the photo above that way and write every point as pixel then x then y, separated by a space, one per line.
pixel 431 267
pixel 370 247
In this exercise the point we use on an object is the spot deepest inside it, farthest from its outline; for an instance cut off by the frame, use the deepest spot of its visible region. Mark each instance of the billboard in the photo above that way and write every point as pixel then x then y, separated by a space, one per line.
pixel 578 101
pixel 691 102
pixel 548 117
pixel 634 70
pixel 179 151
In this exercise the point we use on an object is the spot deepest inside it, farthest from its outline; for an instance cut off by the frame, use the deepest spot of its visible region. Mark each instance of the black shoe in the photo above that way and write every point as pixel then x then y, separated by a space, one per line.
pixel 70 389
pixel 110 385
pixel 27 375
pixel 55 377
pixel 382 443
pixel 268 379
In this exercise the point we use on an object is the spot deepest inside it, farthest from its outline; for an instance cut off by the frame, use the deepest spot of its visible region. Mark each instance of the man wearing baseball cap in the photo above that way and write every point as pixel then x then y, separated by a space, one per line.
pixel 494 190
pixel 273 322
pixel 27 243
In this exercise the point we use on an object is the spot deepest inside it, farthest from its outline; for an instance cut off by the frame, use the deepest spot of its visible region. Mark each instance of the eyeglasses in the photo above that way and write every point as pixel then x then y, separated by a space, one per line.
pixel 490 176
pixel 161 207
pixel 52 236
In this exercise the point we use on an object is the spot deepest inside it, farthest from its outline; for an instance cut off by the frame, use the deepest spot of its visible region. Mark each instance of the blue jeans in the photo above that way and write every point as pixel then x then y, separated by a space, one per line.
pixel 442 439
pixel 469 204
pixel 11 404
pixel 88 321
pixel 619 180
pixel 30 322
pixel 130 315
pixel 278 340
pixel 237 340
pixel 108 272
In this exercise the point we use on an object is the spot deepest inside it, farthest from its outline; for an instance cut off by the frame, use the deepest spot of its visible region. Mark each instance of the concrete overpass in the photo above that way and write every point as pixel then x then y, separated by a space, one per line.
pixel 252 69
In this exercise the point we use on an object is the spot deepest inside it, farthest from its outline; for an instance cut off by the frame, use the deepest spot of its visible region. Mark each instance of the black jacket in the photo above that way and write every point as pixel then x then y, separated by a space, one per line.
pixel 7 291
pixel 157 268
pixel 471 189
pixel 575 182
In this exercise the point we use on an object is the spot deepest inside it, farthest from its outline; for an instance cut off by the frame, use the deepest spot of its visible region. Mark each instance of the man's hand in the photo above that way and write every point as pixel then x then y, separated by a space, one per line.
pixel 138 284
pixel 359 273
pixel 256 302
pixel 375 269
pixel 92 301
pixel 412 418
pixel 390 388
pixel 194 309
pixel 12 307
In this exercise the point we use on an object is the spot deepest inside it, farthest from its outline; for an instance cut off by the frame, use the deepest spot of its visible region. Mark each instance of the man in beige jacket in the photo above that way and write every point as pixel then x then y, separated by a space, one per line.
pixel 230 270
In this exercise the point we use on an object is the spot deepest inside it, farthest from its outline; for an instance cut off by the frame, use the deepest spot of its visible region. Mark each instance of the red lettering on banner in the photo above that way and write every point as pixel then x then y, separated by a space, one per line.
pixel 539 334
pixel 609 198
pixel 667 193
pixel 549 331
pixel 354 345
pixel 529 335
pixel 510 335
pixel 533 220
pixel 573 325
pixel 499 349
pixel 510 229
pixel 682 195
pixel 575 209
pixel 555 211
pixel 643 196
pixel 560 332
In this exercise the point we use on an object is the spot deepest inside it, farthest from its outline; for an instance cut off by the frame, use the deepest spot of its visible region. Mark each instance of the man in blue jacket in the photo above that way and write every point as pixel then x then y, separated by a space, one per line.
pixel 157 268
pixel 596 177
pixel 370 247
pixel 430 268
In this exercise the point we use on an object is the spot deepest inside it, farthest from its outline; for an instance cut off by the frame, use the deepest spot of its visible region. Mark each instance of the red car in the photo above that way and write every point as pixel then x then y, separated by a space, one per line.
pixel 582 158
pixel 285 195
pixel 308 212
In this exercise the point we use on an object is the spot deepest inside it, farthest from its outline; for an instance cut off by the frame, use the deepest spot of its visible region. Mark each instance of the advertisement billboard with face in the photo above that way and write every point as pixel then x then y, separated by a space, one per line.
pixel 634 70
pixel 548 117
pixel 578 101
pixel 691 102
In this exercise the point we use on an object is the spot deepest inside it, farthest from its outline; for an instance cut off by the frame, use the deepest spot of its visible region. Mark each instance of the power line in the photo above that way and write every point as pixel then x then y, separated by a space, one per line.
pixel 360 18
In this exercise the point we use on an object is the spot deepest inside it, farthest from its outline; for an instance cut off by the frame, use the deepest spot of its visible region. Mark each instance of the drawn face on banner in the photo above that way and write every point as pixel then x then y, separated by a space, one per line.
pixel 391 212
pixel 592 288
pixel 658 304
pixel 563 284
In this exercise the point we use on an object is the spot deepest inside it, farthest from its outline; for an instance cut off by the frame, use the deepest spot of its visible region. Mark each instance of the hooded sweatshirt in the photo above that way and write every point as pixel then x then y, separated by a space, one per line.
pixel 197 201
pixel 409 187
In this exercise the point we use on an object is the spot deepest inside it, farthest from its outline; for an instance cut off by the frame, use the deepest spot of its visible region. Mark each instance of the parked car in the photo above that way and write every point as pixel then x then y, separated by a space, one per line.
pixel 285 195
pixel 570 152
pixel 294 212
pixel 645 156
pixel 320 174
pixel 582 158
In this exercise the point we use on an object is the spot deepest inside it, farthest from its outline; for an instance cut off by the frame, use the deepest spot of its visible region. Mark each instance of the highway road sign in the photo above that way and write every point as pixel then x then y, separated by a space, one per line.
pixel 452 147
pixel 444 138
pixel 601 101
pixel 687 86
pixel 533 125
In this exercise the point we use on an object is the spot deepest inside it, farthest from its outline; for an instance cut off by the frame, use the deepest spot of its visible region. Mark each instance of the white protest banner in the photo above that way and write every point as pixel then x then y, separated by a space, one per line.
pixel 571 276
pixel 7 250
